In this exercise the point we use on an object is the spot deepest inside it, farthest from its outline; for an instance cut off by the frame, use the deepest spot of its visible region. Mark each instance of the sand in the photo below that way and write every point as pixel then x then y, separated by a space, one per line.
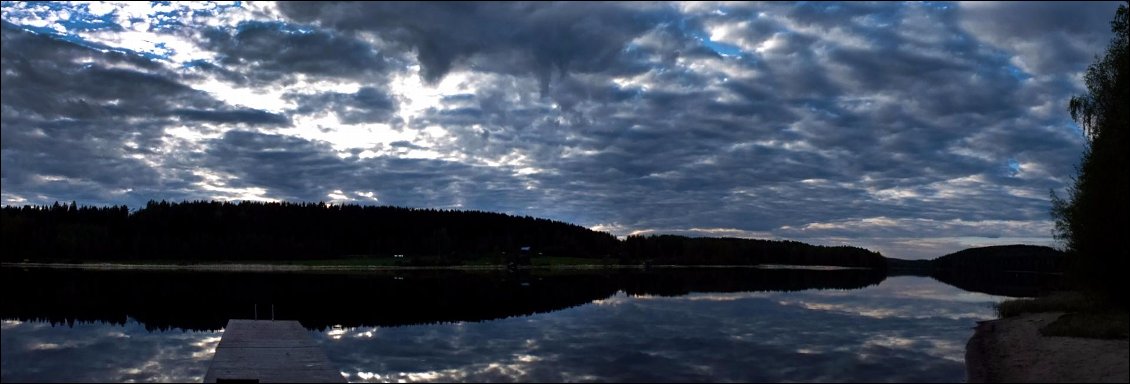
pixel 1012 350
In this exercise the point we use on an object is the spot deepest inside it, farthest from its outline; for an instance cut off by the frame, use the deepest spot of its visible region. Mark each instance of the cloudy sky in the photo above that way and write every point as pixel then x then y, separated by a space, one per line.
pixel 914 129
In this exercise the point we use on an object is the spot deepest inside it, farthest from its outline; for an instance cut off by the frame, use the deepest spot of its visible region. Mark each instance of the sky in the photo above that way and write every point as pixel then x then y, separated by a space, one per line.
pixel 912 129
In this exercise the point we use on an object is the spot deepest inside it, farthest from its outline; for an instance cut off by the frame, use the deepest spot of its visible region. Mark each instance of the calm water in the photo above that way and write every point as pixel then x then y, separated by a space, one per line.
pixel 668 325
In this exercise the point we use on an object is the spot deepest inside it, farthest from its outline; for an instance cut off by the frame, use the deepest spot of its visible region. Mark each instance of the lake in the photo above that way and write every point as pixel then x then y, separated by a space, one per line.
pixel 660 325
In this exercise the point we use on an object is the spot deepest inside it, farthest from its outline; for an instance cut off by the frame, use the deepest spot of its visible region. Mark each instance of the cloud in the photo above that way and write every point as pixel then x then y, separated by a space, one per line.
pixel 744 119
pixel 79 123
pixel 368 104
pixel 301 170
pixel 37 351
pixel 1023 31
pixel 866 335
pixel 259 52
pixel 541 38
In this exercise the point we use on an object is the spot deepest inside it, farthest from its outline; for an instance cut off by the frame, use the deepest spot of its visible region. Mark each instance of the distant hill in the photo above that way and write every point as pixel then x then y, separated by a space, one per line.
pixel 682 250
pixel 1019 257
pixel 210 231
pixel 1005 270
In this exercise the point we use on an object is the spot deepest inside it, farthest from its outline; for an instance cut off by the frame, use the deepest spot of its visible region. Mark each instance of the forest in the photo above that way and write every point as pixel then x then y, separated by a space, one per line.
pixel 1006 270
pixel 210 231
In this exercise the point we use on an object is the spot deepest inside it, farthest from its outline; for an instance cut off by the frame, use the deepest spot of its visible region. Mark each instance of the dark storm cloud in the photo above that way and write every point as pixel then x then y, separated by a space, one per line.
pixel 292 167
pixel 273 54
pixel 539 38
pixel 271 51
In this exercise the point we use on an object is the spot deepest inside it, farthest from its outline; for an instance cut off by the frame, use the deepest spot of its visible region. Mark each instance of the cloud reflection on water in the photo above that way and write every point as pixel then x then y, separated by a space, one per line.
pixel 102 352
pixel 905 329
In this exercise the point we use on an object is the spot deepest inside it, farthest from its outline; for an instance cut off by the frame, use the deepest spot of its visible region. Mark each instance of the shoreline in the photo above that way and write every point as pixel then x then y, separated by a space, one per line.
pixel 266 267
pixel 1013 350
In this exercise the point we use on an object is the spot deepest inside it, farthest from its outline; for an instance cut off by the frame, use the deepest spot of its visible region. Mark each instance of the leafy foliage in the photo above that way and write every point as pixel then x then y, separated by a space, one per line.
pixel 1093 220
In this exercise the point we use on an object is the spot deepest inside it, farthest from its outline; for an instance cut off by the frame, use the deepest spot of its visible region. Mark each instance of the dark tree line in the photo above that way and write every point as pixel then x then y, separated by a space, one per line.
pixel 1006 270
pixel 1019 258
pixel 64 232
pixel 1093 220
pixel 669 249
pixel 223 231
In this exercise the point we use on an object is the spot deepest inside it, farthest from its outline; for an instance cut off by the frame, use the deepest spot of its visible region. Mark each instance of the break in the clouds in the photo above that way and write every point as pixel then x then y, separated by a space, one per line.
pixel 915 129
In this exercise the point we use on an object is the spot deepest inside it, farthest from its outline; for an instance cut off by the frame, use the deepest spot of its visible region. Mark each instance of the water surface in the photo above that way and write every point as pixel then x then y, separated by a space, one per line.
pixel 664 326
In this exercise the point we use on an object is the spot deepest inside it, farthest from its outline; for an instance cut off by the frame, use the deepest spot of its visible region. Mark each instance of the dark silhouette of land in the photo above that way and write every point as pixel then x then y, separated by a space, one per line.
pixel 1018 257
pixel 212 232
pixel 1005 270
pixel 208 232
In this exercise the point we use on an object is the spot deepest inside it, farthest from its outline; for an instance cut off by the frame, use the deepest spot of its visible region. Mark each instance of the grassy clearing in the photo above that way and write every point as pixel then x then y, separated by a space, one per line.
pixel 1086 316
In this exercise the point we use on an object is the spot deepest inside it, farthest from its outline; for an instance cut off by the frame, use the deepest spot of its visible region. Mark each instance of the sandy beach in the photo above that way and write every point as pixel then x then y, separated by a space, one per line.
pixel 1012 350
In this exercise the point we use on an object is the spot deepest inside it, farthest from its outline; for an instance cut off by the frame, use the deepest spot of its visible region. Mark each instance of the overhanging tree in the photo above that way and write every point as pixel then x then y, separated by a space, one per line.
pixel 1093 222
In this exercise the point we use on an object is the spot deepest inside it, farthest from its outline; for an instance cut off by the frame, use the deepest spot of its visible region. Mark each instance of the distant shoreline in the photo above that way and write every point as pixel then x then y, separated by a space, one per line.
pixel 254 267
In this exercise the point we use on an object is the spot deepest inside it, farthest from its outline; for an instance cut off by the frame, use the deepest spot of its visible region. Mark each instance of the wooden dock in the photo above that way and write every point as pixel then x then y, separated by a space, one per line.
pixel 269 351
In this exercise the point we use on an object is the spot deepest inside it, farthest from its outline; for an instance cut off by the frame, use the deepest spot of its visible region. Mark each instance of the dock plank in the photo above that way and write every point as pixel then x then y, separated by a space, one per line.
pixel 270 351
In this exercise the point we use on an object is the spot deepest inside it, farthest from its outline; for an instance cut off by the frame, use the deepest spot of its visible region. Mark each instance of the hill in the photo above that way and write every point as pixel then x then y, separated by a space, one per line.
pixel 1019 257
pixel 1004 270
pixel 210 231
